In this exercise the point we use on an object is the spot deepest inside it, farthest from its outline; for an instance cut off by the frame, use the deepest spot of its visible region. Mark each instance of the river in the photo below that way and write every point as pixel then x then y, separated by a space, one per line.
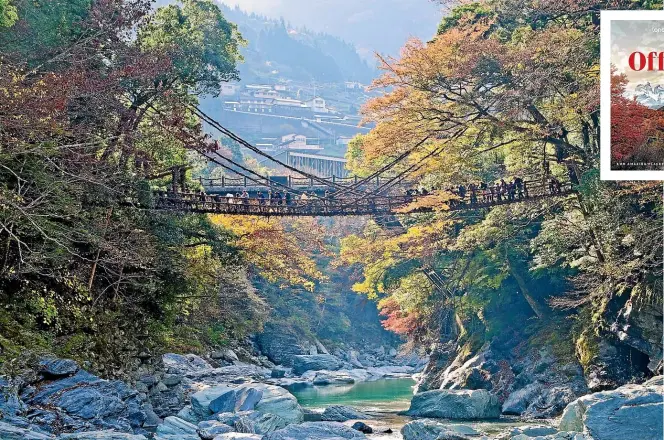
pixel 383 400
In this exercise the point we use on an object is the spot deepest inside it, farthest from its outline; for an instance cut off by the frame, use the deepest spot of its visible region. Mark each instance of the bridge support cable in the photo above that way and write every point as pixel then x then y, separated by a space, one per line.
pixel 413 168
pixel 390 165
pixel 258 151
pixel 259 179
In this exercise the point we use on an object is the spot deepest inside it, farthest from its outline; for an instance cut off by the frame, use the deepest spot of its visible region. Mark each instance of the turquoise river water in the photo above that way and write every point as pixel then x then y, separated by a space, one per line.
pixel 388 395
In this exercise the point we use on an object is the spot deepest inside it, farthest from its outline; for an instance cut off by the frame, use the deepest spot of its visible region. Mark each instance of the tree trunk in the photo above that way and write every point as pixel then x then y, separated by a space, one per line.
pixel 541 310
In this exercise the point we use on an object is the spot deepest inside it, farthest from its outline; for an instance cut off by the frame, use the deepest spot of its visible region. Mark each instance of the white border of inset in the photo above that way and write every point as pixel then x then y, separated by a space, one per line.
pixel 606 173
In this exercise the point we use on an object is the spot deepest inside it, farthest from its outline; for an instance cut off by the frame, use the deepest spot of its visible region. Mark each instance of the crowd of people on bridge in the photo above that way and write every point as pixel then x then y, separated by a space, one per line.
pixel 474 194
pixel 484 193
pixel 266 201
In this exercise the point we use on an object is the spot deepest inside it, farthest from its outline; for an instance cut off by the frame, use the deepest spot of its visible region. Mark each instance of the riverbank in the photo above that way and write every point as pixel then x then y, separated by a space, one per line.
pixel 59 400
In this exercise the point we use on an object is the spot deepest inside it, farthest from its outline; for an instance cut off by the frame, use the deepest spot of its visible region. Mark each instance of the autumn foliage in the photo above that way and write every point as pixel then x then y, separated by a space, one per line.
pixel 633 125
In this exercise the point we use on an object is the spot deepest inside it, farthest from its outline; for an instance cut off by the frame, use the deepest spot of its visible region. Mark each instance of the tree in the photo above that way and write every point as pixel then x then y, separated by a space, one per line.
pixel 7 14
pixel 203 47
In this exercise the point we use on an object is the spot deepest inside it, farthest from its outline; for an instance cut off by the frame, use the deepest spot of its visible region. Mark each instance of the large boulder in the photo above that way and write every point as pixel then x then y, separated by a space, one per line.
pixel 620 413
pixel 315 431
pixel 303 363
pixel 209 429
pixel 176 426
pixel 455 405
pixel 101 435
pixel 342 413
pixel 252 422
pixel 281 344
pixel 11 432
pixel 266 399
pixel 56 368
pixel 431 430
pixel 183 364
pixel 84 402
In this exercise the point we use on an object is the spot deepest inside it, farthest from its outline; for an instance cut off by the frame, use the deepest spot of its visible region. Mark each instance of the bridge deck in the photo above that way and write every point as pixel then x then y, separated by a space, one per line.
pixel 203 203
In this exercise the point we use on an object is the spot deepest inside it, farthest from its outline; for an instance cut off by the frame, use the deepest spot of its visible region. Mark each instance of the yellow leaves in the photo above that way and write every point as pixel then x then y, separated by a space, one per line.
pixel 281 251
pixel 438 201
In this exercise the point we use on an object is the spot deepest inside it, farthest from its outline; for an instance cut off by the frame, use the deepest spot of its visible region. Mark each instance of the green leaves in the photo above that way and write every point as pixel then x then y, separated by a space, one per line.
pixel 202 45
pixel 8 15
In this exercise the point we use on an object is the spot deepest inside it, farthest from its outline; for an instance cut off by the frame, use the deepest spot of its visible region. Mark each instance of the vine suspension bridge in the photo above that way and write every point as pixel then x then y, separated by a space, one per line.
pixel 314 196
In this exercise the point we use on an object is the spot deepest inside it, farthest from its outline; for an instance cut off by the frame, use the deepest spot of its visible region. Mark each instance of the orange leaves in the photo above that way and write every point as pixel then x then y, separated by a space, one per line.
pixel 398 321
pixel 438 201
pixel 280 251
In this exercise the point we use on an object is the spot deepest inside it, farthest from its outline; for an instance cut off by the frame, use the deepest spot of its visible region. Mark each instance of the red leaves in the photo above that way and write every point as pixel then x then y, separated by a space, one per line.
pixel 632 124
pixel 398 321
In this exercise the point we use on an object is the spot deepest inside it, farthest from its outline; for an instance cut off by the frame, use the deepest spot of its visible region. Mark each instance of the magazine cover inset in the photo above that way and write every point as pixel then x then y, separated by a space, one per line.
pixel 634 75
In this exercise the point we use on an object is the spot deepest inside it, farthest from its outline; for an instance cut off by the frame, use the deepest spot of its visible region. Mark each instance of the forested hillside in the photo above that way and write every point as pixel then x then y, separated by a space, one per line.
pixel 277 49
pixel 577 280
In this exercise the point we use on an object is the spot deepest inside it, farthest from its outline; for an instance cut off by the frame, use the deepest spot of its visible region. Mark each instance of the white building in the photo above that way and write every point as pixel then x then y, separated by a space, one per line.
pixel 317 105
pixel 268 94
pixel 297 142
pixel 229 89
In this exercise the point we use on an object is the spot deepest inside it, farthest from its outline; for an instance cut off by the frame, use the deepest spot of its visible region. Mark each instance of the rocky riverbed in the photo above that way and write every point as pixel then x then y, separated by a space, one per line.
pixel 196 400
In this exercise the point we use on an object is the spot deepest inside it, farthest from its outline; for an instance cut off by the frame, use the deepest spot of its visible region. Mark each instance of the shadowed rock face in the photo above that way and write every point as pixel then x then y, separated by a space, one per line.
pixel 303 363
pixel 280 344
pixel 455 405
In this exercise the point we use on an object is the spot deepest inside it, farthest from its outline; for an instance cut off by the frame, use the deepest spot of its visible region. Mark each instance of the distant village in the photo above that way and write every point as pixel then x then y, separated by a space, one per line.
pixel 296 121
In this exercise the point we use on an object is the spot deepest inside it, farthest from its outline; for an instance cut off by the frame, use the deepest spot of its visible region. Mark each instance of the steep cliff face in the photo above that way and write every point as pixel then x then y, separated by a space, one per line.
pixel 638 324
pixel 537 375
pixel 529 378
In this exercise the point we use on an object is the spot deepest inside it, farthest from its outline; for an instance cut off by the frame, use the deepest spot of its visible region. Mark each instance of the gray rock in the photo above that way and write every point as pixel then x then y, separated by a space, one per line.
pixel 148 380
pixel 10 432
pixel 182 364
pixel 342 413
pixel 362 427
pixel 455 405
pixel 279 372
pixel 84 402
pixel 252 422
pixel 11 405
pixel 354 361
pixel 230 355
pixel 209 429
pixel 321 347
pixel 618 414
pixel 176 426
pixel 238 435
pixel 171 380
pixel 533 431
pixel 518 401
pixel 187 413
pixel 101 435
pixel 280 344
pixel 303 363
pixel 432 430
pixel 315 431
pixel 55 368
pixel 267 399
pixel 200 401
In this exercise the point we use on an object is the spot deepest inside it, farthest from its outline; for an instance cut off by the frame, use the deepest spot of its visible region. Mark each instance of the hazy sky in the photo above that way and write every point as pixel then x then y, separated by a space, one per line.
pixel 628 36
pixel 372 25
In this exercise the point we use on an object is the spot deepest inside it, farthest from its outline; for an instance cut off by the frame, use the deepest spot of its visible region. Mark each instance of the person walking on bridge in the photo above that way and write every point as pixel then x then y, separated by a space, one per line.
pixel 473 193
